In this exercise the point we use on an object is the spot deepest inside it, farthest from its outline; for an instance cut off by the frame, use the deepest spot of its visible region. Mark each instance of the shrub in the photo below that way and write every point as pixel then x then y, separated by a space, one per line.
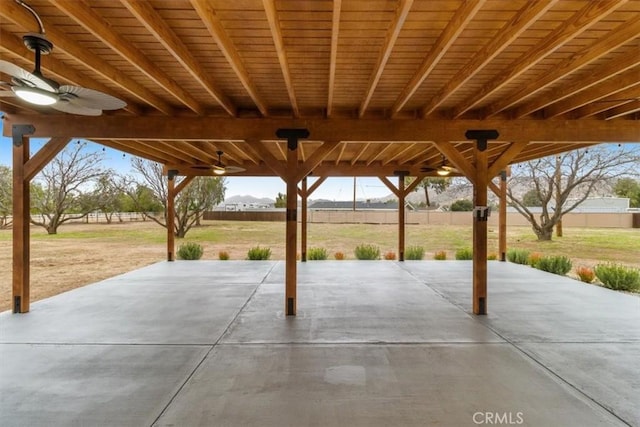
pixel 618 277
pixel 223 255
pixel 317 254
pixel 390 255
pixel 534 259
pixel 190 251
pixel 339 256
pixel 463 205
pixel 492 257
pixel 440 256
pixel 518 256
pixel 464 254
pixel 586 274
pixel 554 264
pixel 367 252
pixel 414 253
pixel 257 253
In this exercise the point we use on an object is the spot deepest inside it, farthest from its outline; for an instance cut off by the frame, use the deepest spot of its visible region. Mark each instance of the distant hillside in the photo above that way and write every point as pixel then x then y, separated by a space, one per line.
pixel 249 199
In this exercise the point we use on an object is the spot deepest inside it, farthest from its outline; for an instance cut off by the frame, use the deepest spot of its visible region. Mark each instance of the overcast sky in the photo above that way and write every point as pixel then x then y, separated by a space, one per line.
pixel 331 189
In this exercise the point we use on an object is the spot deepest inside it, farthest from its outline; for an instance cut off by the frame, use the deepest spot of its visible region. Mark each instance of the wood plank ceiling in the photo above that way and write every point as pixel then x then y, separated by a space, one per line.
pixel 565 63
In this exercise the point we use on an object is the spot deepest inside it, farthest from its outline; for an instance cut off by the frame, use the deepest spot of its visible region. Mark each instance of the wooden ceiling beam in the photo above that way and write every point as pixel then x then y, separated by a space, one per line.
pixel 408 147
pixel 276 33
pixel 584 18
pixel 602 46
pixel 459 161
pixel 390 40
pixel 359 154
pixel 240 152
pixel 335 33
pixel 458 23
pixel 315 159
pixel 506 157
pixel 623 110
pixel 529 14
pixel 608 102
pixel 210 19
pixel 263 153
pixel 96 25
pixel 14 13
pixel 163 147
pixel 43 156
pixel 378 154
pixel 341 153
pixel 345 130
pixel 153 22
pixel 191 148
pixel 584 83
pixel 617 83
pixel 12 44
pixel 389 185
pixel 139 151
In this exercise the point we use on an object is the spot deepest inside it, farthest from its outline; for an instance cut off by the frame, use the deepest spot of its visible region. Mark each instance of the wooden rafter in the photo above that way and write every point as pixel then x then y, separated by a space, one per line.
pixel 44 156
pixel 240 152
pixel 405 149
pixel 621 82
pixel 590 14
pixel 209 17
pixel 623 110
pixel 317 183
pixel 506 157
pixel 315 158
pixel 168 150
pixel 335 32
pixel 154 23
pixel 608 103
pixel 341 153
pixel 518 24
pixel 276 34
pixel 193 150
pixel 458 160
pixel 263 153
pixel 281 146
pixel 389 185
pixel 392 35
pixel 459 22
pixel 360 153
pixel 97 26
pixel 588 54
pixel 379 154
pixel 13 12
pixel 143 152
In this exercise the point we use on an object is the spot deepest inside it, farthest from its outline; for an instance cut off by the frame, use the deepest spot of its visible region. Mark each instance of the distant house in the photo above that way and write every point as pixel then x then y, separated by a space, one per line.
pixel 593 205
pixel 360 205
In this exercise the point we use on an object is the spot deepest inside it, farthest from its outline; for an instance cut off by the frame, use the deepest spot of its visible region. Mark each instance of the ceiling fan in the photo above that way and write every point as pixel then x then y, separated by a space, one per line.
pixel 442 170
pixel 37 89
pixel 218 167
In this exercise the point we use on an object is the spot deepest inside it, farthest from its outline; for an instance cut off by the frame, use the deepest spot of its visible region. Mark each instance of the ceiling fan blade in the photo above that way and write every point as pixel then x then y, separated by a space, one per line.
pixel 450 168
pixel 67 107
pixel 90 98
pixel 234 169
pixel 24 77
pixel 427 169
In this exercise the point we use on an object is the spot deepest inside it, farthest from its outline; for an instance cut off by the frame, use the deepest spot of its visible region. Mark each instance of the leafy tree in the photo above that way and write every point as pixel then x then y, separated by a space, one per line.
pixel 464 205
pixel 563 182
pixel 281 201
pixel 531 198
pixel 202 194
pixel 437 184
pixel 628 187
pixel 61 191
pixel 109 191
pixel 6 196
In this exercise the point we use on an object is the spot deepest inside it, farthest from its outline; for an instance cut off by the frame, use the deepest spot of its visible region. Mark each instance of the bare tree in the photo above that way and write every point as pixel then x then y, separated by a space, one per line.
pixel 561 183
pixel 436 184
pixel 6 197
pixel 63 190
pixel 202 194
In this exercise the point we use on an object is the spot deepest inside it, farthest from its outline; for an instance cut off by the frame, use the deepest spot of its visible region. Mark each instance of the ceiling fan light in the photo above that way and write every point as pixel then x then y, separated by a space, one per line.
pixel 218 171
pixel 443 172
pixel 35 96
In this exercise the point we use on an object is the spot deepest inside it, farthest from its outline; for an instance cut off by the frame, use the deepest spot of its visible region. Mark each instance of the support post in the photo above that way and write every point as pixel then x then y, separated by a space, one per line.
pixel 502 218
pixel 292 136
pixel 401 216
pixel 21 219
pixel 480 217
pixel 303 225
pixel 171 214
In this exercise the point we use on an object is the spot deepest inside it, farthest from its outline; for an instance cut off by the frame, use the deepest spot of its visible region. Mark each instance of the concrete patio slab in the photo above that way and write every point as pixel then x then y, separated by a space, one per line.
pixel 374 343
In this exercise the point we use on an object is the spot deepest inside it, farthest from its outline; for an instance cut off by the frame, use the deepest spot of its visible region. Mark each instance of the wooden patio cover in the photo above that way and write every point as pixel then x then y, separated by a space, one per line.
pixel 384 88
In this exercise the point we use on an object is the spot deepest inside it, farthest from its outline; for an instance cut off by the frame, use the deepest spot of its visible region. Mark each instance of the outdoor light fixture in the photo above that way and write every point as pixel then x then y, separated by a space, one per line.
pixel 218 171
pixel 35 96
pixel 443 172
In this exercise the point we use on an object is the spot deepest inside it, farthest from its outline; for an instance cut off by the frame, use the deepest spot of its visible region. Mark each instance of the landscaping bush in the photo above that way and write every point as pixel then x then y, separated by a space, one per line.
pixel 586 274
pixel 414 253
pixel 518 256
pixel 440 256
pixel 257 253
pixel 190 251
pixel 464 254
pixel 367 252
pixel 223 255
pixel 317 254
pixel 554 264
pixel 534 259
pixel 618 277
pixel 492 257
pixel 339 256
pixel 390 255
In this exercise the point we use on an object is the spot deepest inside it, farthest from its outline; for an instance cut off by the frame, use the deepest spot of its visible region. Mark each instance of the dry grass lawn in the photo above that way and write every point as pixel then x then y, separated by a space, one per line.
pixel 85 253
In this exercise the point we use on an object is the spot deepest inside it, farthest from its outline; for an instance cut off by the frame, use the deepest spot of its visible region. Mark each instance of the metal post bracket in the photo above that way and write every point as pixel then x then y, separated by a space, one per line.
pixel 19 131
